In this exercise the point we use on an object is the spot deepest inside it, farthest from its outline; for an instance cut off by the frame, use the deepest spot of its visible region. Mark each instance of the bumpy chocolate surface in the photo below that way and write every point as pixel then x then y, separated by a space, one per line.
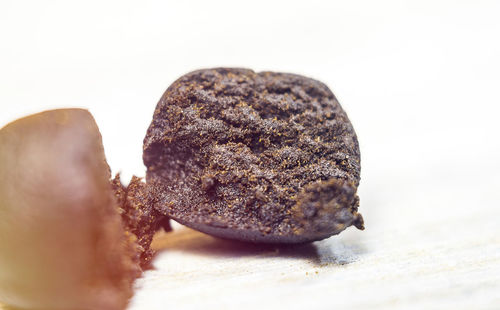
pixel 263 157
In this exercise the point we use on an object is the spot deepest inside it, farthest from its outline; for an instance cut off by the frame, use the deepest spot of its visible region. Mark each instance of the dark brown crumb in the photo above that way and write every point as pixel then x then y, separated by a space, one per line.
pixel 140 219
pixel 265 157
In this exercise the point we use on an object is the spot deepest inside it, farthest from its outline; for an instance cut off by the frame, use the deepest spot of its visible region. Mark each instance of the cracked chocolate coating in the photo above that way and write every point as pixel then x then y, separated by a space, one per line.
pixel 263 157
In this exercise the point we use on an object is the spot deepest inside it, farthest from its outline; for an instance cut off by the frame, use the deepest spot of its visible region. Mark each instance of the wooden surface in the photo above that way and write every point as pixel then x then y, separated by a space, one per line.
pixel 432 265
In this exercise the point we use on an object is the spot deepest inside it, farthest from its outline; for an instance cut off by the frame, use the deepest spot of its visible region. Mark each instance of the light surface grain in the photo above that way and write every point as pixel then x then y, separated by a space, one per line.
pixel 424 264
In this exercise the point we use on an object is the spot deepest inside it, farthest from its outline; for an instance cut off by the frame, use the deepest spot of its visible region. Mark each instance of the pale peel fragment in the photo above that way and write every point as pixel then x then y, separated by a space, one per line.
pixel 62 243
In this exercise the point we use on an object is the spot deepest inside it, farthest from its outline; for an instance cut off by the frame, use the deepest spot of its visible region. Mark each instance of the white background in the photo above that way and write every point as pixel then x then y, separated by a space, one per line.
pixel 420 81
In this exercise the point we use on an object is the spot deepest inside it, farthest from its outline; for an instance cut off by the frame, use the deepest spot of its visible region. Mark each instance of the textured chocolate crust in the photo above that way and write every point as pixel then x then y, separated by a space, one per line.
pixel 140 219
pixel 264 157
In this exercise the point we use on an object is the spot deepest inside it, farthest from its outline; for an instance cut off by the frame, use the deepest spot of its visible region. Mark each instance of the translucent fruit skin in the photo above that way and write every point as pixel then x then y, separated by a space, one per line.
pixel 62 244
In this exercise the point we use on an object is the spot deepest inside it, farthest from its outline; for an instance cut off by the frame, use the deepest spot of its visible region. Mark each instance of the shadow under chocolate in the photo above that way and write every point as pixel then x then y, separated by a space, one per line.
pixel 191 241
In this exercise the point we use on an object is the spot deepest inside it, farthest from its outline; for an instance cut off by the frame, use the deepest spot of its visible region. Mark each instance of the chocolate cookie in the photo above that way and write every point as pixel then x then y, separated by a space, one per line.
pixel 263 157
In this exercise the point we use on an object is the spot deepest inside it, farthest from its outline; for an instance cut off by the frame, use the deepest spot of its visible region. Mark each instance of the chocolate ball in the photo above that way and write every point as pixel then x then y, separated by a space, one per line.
pixel 263 157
